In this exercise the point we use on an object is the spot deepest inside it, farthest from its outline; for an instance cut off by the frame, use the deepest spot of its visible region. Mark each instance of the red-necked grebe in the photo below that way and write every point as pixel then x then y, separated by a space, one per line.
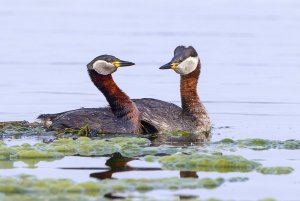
pixel 166 117
pixel 142 115
pixel 121 117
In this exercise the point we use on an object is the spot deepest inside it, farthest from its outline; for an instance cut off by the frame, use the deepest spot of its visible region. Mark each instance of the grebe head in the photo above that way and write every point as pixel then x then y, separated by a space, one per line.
pixel 185 60
pixel 107 64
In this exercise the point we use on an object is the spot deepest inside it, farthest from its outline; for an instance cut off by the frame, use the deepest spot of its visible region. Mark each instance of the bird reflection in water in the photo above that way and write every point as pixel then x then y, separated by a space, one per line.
pixel 118 163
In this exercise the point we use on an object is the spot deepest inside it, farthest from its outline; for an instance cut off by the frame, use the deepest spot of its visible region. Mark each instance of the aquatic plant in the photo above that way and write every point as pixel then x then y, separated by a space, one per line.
pixel 6 152
pixel 275 170
pixel 255 144
pixel 20 128
pixel 218 163
pixel 24 154
pixel 238 179
pixel 79 197
pixel 181 133
pixel 171 158
pixel 83 146
pixel 1 143
pixel 28 187
pixel 25 128
pixel 27 184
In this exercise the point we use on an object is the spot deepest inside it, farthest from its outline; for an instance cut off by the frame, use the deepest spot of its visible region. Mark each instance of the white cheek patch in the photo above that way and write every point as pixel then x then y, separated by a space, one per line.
pixel 103 67
pixel 187 66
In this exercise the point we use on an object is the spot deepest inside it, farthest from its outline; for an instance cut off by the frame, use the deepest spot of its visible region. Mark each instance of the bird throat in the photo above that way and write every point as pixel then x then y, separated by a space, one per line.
pixel 190 101
pixel 121 105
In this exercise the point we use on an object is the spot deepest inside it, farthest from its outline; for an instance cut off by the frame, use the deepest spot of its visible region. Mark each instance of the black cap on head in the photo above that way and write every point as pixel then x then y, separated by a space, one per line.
pixel 181 53
pixel 105 57
pixel 110 59
pixel 179 49
pixel 107 64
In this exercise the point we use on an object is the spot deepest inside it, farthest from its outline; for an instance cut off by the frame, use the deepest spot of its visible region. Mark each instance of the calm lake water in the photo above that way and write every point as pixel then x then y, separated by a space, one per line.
pixel 250 54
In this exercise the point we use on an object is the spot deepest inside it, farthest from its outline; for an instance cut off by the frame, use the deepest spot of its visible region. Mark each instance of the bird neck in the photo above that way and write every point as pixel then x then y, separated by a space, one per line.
pixel 190 101
pixel 121 105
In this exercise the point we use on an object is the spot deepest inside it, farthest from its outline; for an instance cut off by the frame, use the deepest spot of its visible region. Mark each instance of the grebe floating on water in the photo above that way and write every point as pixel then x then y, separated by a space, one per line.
pixel 187 63
pixel 121 117
pixel 191 122
pixel 151 115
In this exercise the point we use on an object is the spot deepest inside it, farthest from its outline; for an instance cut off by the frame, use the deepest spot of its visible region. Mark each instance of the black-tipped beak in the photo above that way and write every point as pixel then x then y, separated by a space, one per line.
pixel 123 63
pixel 166 66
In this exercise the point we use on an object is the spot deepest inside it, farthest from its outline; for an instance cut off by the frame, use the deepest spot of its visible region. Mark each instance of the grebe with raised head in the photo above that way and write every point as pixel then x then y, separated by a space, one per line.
pixel 121 117
pixel 167 117
pixel 144 115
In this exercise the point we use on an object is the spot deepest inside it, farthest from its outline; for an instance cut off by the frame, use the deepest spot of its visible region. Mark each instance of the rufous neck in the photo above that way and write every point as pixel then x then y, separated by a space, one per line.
pixel 120 103
pixel 188 89
pixel 190 101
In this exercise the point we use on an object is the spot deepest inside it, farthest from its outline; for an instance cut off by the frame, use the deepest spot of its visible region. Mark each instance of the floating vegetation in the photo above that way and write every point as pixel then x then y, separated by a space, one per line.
pixel 1 143
pixel 217 163
pixel 25 128
pixel 238 179
pixel 83 146
pixel 181 133
pixel 53 197
pixel 208 157
pixel 170 158
pixel 150 158
pixel 28 154
pixel 6 164
pixel 84 131
pixel 128 147
pixel 256 144
pixel 291 144
pixel 6 152
pixel 275 170
pixel 27 187
pixel 79 197
pixel 267 199
pixel 26 184
pixel 20 128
